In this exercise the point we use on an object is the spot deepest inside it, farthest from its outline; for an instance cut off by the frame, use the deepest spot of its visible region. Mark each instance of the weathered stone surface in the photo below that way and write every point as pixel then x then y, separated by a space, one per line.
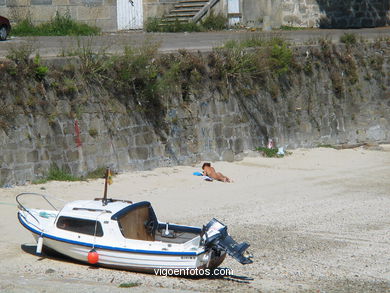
pixel 308 114
pixel 32 156
pixel 228 156
pixel 334 13
pixel 41 2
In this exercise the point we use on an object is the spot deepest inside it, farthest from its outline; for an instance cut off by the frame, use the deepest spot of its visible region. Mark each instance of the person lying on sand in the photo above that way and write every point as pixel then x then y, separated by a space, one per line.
pixel 210 171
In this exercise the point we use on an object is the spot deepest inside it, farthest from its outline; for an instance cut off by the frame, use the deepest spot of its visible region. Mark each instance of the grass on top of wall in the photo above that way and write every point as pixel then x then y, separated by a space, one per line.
pixel 59 25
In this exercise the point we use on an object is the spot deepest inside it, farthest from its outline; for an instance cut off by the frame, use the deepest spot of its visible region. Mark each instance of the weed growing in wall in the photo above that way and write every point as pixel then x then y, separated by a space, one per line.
pixel 349 39
pixel 142 80
pixel 59 25
pixel 40 70
pixel 281 59
pixel 214 22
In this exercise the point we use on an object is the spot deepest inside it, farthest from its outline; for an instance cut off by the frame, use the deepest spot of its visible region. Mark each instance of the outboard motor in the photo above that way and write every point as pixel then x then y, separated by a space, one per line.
pixel 215 236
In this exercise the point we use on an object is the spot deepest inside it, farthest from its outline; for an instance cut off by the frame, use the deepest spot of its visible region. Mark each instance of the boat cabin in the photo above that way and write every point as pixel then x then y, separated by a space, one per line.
pixel 135 221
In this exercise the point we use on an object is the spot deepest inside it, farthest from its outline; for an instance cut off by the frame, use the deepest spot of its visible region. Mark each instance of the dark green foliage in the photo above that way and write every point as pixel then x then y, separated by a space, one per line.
pixel 142 81
pixel 40 70
pixel 281 59
pixel 270 153
pixel 60 25
pixel 348 39
pixel 152 24
pixel 308 67
pixel 60 174
pixel 93 132
pixel 214 22
pixel 129 285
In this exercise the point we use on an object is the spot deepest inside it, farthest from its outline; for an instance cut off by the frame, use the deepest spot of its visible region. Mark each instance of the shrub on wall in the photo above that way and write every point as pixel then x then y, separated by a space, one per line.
pixel 60 25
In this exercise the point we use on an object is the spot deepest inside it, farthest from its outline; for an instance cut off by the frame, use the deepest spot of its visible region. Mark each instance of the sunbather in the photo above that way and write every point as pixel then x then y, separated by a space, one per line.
pixel 210 171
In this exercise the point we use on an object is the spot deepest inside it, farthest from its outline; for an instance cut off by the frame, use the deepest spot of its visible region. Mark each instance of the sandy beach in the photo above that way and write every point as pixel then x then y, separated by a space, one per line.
pixel 317 220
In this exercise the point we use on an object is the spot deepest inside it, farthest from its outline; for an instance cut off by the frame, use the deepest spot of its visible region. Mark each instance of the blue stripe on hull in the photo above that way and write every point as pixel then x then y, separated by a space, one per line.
pixel 105 247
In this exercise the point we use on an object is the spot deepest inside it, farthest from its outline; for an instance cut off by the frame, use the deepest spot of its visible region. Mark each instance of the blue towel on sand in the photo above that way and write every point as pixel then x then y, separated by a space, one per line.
pixel 197 174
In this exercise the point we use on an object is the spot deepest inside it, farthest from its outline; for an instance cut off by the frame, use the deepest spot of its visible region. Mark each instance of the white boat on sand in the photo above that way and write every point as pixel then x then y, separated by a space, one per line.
pixel 126 235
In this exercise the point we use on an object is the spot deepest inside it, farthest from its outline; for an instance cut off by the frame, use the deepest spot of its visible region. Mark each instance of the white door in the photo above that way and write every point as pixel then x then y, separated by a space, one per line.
pixel 234 11
pixel 129 14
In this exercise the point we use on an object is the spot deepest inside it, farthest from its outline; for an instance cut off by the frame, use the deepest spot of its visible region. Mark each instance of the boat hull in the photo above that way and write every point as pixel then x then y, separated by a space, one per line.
pixel 126 258
pixel 140 262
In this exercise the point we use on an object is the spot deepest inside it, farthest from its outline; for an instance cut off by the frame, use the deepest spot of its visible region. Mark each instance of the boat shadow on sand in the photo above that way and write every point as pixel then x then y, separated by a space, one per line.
pixel 47 253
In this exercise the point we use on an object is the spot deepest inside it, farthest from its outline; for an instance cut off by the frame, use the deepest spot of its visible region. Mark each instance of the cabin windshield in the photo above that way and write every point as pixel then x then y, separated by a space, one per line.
pixel 82 226
pixel 137 221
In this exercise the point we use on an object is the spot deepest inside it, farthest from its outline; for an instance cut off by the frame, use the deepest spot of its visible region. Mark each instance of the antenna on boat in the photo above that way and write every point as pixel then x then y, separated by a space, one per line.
pixel 108 180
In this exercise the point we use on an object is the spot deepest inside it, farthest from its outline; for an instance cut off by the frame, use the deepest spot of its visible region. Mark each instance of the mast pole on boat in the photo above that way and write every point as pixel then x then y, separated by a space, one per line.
pixel 104 201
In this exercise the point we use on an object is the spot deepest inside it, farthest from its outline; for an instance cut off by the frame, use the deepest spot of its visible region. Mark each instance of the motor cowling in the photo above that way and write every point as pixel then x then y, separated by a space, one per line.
pixel 215 236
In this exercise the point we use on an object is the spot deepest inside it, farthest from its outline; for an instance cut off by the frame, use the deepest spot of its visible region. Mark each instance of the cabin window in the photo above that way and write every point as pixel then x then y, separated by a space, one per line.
pixel 80 226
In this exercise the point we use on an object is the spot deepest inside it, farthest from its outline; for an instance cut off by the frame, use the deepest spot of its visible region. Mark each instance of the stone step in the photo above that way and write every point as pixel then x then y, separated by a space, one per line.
pixel 184 10
pixel 189 6
pixel 178 15
pixel 170 20
pixel 193 1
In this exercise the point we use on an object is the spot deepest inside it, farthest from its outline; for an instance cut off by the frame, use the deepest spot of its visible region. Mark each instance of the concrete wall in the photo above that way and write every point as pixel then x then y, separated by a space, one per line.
pixel 266 13
pixel 101 13
pixel 157 8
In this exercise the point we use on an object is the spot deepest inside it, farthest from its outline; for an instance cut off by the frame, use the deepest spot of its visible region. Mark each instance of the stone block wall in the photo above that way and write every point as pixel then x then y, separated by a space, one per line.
pixel 101 13
pixel 209 125
pixel 122 141
pixel 316 13
pixel 336 13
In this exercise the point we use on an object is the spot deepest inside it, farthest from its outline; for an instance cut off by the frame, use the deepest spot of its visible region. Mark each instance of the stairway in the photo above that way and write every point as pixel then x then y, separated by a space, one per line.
pixel 189 11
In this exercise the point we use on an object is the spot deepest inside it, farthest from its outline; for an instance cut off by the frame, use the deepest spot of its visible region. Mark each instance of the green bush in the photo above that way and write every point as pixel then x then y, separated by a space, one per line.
pixel 152 24
pixel 129 285
pixel 214 22
pixel 60 174
pixel 57 174
pixel 60 25
pixel 270 153
pixel 281 59
pixel 40 70
pixel 348 39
